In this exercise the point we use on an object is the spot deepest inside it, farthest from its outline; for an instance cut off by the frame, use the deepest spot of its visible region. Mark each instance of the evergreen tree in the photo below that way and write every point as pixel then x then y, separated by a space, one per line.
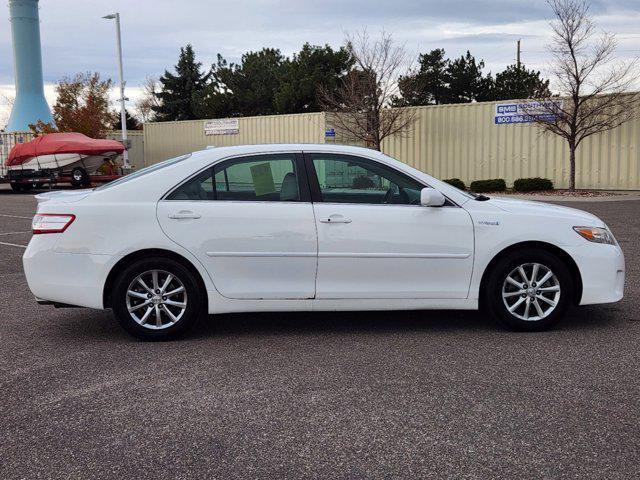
pixel 428 85
pixel 178 91
pixel 131 121
pixel 466 82
pixel 517 82
pixel 243 89
pixel 310 71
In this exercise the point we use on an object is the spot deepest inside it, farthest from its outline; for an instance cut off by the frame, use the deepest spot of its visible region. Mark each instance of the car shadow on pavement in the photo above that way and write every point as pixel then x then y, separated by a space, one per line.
pixel 395 322
pixel 101 326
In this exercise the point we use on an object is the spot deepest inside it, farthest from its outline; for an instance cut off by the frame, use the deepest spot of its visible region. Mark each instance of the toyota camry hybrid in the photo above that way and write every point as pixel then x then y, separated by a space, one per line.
pixel 310 228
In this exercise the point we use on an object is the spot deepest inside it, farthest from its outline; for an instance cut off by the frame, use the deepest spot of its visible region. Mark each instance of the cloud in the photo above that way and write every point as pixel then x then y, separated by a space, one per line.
pixel 75 38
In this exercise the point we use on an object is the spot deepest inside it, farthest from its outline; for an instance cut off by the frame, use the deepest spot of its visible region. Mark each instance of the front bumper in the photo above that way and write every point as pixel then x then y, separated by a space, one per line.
pixel 602 270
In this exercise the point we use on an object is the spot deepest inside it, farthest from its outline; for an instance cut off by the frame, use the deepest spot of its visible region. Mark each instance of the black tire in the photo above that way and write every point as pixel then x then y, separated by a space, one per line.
pixel 16 187
pixel 79 177
pixel 497 281
pixel 194 299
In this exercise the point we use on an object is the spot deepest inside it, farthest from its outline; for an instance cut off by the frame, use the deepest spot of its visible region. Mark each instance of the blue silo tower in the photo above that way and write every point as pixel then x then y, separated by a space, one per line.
pixel 29 105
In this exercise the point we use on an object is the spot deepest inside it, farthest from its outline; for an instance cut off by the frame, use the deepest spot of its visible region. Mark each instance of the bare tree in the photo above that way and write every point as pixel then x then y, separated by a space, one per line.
pixel 362 103
pixel 6 104
pixel 595 89
pixel 149 99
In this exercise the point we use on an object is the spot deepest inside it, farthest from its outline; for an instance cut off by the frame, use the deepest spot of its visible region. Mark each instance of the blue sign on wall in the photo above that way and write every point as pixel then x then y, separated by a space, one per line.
pixel 330 132
pixel 527 112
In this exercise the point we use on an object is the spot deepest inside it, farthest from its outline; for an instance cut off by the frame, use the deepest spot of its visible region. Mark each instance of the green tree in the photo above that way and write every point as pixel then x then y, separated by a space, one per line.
pixel 178 91
pixel 466 82
pixel 243 89
pixel 131 121
pixel 428 85
pixel 310 71
pixel 517 82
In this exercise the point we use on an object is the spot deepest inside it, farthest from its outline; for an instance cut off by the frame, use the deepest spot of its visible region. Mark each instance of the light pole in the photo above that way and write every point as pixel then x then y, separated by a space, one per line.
pixel 123 117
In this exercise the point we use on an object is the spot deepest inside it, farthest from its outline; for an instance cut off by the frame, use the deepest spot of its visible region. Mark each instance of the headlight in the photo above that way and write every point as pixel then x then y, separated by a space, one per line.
pixel 596 234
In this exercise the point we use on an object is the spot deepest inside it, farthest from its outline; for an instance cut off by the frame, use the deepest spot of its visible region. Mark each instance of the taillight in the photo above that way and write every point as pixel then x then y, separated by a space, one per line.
pixel 51 222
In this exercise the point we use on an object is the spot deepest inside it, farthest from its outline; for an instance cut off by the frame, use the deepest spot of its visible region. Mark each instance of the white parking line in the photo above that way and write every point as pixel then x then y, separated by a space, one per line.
pixel 13 244
pixel 15 216
pixel 15 233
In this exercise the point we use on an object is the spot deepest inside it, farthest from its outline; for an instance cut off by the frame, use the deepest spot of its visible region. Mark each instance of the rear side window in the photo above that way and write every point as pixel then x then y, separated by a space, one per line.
pixel 144 171
pixel 255 178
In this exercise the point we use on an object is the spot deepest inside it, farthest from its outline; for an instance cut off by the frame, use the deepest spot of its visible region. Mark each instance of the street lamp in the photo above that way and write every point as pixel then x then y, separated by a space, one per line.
pixel 123 117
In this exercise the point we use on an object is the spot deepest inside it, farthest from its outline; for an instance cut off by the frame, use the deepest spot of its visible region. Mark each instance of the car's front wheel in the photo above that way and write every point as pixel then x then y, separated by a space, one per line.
pixel 529 289
pixel 156 299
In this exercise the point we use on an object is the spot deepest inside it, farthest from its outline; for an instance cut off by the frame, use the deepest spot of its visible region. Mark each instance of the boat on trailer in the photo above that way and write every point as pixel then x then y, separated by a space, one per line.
pixel 61 157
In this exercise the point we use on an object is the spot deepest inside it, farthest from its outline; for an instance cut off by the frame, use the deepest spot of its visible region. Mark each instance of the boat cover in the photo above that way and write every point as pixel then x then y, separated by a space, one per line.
pixel 58 143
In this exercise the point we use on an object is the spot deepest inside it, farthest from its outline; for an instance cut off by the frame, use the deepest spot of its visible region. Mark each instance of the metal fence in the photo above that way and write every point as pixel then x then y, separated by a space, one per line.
pixel 7 141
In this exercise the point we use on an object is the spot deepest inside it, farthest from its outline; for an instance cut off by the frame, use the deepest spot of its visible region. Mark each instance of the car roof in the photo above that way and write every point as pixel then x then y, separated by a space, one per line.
pixel 166 178
pixel 279 147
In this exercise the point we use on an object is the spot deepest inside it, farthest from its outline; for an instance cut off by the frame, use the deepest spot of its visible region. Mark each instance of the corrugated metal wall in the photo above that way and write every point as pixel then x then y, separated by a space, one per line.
pixel 164 140
pixel 462 141
pixel 446 141
pixel 136 151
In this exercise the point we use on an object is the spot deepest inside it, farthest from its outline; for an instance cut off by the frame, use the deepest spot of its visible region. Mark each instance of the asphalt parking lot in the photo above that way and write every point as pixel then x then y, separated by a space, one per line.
pixel 340 396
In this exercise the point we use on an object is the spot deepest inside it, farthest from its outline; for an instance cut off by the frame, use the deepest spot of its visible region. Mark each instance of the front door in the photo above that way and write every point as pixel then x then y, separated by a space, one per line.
pixel 250 222
pixel 375 240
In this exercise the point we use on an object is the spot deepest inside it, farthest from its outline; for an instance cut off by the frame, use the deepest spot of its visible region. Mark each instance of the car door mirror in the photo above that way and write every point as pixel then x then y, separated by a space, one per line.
pixel 430 197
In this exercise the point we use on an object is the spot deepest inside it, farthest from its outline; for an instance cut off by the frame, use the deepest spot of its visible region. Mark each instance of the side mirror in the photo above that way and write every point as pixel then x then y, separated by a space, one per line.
pixel 430 197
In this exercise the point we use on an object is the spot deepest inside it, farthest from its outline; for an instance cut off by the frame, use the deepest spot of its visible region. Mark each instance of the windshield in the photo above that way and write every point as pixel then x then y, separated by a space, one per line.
pixel 144 171
pixel 469 195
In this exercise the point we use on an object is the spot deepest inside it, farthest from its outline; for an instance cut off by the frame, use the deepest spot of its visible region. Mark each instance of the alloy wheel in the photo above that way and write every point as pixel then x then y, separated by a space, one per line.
pixel 531 292
pixel 156 299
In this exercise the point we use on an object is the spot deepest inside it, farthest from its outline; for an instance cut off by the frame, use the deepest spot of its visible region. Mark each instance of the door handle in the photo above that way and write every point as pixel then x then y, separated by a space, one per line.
pixel 335 218
pixel 184 214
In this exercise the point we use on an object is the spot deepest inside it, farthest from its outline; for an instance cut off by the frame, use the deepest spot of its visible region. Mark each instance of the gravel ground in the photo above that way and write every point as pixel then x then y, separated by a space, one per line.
pixel 340 396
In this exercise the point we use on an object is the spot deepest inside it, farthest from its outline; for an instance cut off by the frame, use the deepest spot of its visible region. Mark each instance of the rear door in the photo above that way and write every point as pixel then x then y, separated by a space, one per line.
pixel 249 221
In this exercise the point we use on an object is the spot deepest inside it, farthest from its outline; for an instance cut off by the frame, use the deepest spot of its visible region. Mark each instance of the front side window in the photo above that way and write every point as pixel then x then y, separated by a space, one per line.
pixel 256 178
pixel 348 179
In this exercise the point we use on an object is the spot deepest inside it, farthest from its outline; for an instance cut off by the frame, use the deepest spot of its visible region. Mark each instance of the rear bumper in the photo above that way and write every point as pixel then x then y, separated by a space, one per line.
pixel 602 270
pixel 65 278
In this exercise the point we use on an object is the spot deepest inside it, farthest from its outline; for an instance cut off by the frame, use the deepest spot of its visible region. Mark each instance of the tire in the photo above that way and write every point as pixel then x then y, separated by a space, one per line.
pixel 501 294
pixel 16 187
pixel 174 320
pixel 79 177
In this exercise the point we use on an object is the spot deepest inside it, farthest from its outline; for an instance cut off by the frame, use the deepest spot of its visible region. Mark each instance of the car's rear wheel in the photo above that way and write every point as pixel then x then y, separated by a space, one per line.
pixel 157 299
pixel 529 289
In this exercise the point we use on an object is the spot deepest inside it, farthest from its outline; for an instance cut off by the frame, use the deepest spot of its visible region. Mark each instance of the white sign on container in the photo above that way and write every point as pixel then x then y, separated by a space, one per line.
pixel 222 126
pixel 526 112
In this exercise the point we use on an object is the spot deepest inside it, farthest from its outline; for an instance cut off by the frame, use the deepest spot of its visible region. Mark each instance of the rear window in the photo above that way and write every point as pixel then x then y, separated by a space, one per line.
pixel 144 171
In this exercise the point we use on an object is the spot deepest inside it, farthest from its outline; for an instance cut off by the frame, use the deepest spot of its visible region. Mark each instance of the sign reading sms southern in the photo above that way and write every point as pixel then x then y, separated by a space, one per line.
pixel 222 126
pixel 526 112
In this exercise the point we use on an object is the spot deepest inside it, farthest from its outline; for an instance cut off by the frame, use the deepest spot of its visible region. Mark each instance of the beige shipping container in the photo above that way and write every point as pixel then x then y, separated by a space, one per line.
pixel 168 139
pixel 463 141
pixel 136 150
pixel 447 141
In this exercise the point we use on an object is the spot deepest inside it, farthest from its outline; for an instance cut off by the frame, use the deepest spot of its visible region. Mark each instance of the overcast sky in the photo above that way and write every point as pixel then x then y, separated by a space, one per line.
pixel 75 38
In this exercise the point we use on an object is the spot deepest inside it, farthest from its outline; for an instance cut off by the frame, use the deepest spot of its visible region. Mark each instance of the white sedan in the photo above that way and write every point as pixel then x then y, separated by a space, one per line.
pixel 310 228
